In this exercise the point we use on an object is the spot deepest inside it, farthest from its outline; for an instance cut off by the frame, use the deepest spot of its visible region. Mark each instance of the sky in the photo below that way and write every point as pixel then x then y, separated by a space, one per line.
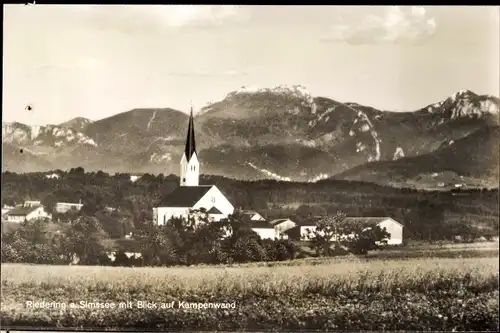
pixel 97 61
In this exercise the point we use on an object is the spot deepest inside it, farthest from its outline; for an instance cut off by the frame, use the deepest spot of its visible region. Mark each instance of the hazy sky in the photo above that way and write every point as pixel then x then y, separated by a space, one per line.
pixel 96 61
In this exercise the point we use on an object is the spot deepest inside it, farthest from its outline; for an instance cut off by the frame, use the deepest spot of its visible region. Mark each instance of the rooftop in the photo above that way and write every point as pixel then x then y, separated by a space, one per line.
pixel 249 212
pixel 21 210
pixel 368 220
pixel 185 196
pixel 214 210
pixel 259 224
pixel 278 221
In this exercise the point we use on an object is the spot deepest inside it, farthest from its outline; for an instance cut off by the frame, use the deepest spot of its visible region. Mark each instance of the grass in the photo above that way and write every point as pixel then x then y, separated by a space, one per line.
pixel 344 294
pixel 426 250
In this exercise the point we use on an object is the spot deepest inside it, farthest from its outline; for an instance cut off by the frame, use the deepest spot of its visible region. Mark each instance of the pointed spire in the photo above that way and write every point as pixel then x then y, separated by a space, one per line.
pixel 190 141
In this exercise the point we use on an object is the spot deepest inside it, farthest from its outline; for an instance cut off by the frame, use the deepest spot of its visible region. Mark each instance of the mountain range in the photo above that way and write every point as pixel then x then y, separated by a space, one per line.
pixel 283 133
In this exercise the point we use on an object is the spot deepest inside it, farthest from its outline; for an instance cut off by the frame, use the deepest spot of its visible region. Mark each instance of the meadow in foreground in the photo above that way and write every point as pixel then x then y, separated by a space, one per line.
pixel 416 294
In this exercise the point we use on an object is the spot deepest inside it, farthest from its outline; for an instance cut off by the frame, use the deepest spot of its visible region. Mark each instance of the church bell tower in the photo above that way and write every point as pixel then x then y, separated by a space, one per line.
pixel 190 166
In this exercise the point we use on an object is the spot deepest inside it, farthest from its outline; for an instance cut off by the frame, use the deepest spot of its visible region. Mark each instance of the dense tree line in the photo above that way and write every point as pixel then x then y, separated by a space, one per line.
pixel 123 206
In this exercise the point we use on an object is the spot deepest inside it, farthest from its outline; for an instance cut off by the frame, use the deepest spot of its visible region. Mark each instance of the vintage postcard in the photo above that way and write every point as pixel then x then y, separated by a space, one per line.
pixel 237 168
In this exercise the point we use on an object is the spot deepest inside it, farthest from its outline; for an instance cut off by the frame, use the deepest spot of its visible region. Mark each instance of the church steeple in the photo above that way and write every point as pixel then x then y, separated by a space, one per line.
pixel 190 141
pixel 190 166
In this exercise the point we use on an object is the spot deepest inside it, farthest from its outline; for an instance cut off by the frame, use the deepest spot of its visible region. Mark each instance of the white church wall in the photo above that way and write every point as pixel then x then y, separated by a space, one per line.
pixel 215 198
pixel 164 214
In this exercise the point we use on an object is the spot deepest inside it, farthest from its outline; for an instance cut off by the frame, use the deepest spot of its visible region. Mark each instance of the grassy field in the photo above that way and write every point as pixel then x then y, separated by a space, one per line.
pixel 426 250
pixel 344 294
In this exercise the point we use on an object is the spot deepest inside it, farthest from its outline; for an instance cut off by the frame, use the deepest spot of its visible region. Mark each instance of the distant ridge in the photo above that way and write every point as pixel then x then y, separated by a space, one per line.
pixel 280 133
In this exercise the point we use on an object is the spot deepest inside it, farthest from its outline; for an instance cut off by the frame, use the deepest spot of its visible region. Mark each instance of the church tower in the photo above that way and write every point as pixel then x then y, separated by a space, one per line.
pixel 190 166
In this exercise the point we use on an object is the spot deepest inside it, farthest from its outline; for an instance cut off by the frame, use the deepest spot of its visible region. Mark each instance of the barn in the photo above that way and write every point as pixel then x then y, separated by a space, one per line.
pixel 393 227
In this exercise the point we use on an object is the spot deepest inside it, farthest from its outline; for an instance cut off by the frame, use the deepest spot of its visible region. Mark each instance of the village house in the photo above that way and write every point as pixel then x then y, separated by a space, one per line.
pixel 190 196
pixel 64 207
pixel 282 225
pixel 26 213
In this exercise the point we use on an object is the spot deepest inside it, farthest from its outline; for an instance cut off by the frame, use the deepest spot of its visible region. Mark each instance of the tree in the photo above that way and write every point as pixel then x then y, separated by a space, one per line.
pixel 465 230
pixel 153 244
pixel 14 248
pixel 326 233
pixel 121 259
pixel 32 243
pixel 307 211
pixel 49 203
pixel 279 249
pixel 116 224
pixel 365 238
pixel 87 240
pixel 205 243
pixel 242 244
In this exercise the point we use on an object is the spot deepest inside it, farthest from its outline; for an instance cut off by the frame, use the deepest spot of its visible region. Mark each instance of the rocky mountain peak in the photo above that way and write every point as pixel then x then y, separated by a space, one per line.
pixel 296 91
pixel 52 135
pixel 77 123
pixel 465 104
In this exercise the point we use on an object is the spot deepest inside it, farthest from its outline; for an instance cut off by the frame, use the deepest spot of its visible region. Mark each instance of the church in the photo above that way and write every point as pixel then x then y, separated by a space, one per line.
pixel 190 195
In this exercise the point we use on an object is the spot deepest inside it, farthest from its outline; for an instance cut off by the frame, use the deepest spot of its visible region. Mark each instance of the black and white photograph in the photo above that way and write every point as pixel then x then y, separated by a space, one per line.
pixel 250 168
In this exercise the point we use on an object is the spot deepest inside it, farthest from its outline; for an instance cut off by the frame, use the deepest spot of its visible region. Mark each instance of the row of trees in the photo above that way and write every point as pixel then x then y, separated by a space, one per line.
pixel 180 242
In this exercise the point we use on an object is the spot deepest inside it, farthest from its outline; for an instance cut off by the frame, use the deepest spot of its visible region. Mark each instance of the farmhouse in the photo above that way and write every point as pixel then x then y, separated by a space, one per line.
pixel 190 195
pixel 394 228
pixel 263 228
pixel 64 207
pixel 26 213
pixel 282 225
